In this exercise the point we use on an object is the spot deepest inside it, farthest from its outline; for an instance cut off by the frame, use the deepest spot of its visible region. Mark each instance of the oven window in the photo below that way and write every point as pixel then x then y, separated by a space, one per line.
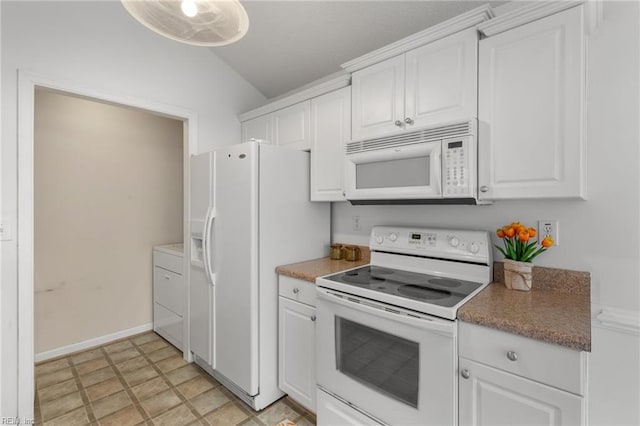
pixel 378 360
pixel 405 172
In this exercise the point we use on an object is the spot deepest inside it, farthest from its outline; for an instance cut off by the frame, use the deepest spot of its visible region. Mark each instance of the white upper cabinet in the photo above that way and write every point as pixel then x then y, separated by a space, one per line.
pixel 288 127
pixel 291 126
pixel 531 110
pixel 429 85
pixel 258 128
pixel 378 99
pixel 441 80
pixel 330 130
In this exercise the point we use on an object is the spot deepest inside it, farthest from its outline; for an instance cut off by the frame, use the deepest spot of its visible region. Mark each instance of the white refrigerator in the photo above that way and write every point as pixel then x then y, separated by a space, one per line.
pixel 250 212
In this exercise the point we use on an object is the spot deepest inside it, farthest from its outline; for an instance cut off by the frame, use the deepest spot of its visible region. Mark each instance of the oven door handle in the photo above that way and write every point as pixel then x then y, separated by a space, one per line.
pixel 388 312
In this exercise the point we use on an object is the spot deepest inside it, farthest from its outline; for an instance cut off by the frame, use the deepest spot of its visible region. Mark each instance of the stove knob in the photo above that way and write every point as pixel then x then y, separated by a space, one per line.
pixel 474 248
pixel 454 242
pixel 379 239
pixel 393 236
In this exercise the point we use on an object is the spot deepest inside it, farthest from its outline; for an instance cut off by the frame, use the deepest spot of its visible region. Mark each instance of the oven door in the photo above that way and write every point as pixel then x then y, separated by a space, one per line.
pixel 393 364
pixel 401 172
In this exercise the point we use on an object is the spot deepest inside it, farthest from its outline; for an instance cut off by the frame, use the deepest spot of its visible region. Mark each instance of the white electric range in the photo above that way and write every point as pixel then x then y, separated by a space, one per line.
pixel 386 332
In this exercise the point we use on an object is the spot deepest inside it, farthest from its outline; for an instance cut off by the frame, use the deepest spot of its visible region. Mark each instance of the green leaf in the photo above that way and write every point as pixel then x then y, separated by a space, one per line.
pixel 528 250
pixel 533 255
pixel 501 250
pixel 512 251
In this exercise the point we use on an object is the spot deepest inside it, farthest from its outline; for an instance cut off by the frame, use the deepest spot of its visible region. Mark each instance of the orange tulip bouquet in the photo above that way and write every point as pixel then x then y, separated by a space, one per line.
pixel 520 248
pixel 517 245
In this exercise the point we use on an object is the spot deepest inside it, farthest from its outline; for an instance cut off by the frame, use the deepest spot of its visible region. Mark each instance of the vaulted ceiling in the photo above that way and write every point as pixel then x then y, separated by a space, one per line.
pixel 292 43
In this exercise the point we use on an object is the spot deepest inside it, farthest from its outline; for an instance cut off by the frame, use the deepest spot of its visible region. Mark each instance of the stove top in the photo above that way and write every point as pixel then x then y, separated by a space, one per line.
pixel 432 271
pixel 421 287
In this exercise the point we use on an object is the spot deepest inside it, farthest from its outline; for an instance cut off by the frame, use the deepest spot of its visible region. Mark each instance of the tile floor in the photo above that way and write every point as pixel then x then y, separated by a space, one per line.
pixel 143 380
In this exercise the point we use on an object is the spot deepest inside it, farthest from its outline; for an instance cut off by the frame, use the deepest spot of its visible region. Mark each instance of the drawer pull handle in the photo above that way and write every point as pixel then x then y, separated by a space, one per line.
pixel 465 374
pixel 167 277
pixel 296 290
pixel 512 356
pixel 313 318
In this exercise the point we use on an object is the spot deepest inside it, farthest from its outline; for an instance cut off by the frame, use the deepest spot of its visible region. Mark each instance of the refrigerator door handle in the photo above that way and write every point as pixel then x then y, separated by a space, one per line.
pixel 206 245
pixel 205 235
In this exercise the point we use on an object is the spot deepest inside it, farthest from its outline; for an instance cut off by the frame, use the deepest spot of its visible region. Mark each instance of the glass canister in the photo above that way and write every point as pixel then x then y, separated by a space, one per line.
pixel 336 252
pixel 352 253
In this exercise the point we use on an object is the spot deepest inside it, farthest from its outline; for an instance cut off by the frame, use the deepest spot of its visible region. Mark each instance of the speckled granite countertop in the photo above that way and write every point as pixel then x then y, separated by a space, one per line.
pixel 312 269
pixel 556 310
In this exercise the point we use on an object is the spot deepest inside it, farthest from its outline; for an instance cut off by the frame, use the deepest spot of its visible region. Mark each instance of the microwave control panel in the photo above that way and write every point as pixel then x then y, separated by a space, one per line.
pixel 456 156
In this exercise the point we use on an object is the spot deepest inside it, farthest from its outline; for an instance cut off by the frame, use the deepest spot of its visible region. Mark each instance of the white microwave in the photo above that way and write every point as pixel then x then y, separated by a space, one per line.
pixel 429 166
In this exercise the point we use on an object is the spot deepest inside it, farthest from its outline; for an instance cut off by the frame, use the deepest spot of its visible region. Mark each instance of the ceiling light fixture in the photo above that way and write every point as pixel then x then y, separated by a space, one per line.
pixel 197 22
pixel 189 8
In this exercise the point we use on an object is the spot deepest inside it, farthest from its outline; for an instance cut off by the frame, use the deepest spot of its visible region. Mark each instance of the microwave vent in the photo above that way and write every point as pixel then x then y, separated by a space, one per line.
pixel 410 138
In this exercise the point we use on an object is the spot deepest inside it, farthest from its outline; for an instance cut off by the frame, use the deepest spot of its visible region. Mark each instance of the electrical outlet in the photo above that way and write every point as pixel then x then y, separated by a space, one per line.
pixel 549 228
pixel 356 223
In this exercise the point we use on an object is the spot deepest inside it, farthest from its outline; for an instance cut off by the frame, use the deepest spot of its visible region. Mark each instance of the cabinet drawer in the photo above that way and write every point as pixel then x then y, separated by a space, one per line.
pixel 167 324
pixel 168 290
pixel 167 261
pixel 299 290
pixel 551 364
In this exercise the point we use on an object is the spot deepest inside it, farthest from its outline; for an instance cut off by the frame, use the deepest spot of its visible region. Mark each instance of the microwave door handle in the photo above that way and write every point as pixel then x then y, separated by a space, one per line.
pixel 437 175
pixel 393 153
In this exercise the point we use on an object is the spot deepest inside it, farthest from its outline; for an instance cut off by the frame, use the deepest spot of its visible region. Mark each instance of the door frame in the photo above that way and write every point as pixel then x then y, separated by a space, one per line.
pixel 27 84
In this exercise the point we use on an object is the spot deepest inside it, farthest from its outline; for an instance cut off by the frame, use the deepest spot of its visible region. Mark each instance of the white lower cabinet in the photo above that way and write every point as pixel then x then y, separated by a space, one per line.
pixel 491 397
pixel 296 341
pixel 168 293
pixel 505 379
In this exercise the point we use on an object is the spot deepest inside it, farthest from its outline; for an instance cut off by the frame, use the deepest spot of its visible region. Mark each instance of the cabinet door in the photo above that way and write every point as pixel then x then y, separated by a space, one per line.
pixel 378 99
pixel 531 100
pixel 168 290
pixel 330 130
pixel 296 356
pixel 490 397
pixel 258 128
pixel 441 81
pixel 291 126
pixel 201 315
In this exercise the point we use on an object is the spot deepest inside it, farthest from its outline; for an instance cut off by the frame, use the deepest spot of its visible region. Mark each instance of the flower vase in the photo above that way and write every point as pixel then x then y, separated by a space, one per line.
pixel 517 275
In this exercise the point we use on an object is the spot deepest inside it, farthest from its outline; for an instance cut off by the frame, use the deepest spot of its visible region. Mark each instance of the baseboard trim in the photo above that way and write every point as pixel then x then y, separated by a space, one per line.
pixel 65 350
pixel 621 320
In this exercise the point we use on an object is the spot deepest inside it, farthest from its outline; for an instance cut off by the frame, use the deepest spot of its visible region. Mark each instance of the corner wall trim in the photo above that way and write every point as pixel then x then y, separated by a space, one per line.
pixel 616 319
pixel 65 350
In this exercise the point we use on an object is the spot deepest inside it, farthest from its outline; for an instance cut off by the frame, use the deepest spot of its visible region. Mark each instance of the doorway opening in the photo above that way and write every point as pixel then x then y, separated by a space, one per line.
pixel 58 241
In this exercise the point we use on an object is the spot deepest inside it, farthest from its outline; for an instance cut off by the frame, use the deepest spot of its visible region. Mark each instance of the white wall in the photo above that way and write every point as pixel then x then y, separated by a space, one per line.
pixel 598 235
pixel 97 45
pixel 107 188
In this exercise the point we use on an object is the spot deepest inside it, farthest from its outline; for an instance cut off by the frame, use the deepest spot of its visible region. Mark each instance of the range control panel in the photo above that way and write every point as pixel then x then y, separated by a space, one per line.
pixel 465 245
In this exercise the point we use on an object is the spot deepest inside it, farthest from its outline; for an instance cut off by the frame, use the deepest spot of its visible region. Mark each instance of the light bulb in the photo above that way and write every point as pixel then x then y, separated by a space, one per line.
pixel 189 8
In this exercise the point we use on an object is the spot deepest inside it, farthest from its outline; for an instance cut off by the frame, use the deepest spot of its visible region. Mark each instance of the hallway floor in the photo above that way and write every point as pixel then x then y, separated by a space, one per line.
pixel 144 380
